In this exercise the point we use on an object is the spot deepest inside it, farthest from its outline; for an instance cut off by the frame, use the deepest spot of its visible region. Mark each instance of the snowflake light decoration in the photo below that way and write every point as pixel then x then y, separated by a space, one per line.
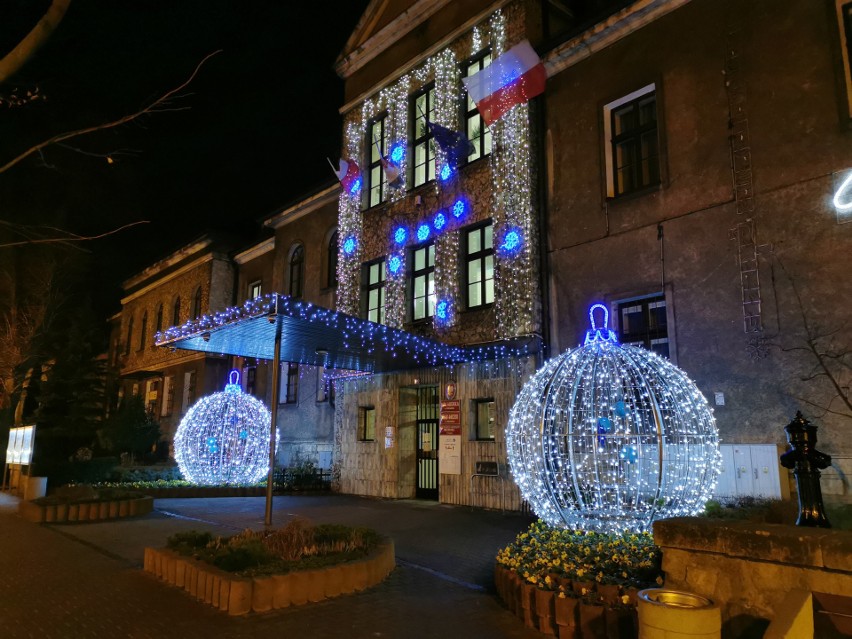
pixel 224 438
pixel 611 437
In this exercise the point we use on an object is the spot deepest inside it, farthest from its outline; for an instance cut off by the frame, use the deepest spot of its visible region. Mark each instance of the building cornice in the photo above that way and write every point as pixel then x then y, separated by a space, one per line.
pixel 175 258
pixel 403 24
pixel 609 31
pixel 162 366
pixel 435 48
pixel 255 251
pixel 168 278
pixel 300 209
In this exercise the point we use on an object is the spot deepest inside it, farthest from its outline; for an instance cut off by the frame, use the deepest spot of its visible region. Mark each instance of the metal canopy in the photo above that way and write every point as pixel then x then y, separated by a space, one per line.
pixel 318 336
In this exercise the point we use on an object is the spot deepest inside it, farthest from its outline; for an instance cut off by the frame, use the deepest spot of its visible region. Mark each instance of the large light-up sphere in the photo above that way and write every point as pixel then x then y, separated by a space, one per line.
pixel 611 437
pixel 224 439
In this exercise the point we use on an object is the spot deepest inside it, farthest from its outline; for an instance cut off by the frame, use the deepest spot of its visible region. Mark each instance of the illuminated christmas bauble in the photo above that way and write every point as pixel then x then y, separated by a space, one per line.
pixel 224 438
pixel 611 437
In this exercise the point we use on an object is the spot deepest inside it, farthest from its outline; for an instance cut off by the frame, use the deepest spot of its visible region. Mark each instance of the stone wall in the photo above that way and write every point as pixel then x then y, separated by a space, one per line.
pixel 749 568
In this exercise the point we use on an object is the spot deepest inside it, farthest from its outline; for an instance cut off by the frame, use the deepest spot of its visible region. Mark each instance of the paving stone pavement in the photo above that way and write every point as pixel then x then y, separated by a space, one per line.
pixel 85 580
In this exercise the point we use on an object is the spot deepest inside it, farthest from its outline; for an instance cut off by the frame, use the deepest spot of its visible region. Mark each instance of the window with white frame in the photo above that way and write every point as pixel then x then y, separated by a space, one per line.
pixel 255 289
pixel 188 391
pixel 289 387
pixel 422 142
pixel 374 276
pixel 423 282
pixel 167 405
pixel 484 418
pixel 644 322
pixel 475 128
pixel 844 20
pixel 632 142
pixel 377 147
pixel 479 260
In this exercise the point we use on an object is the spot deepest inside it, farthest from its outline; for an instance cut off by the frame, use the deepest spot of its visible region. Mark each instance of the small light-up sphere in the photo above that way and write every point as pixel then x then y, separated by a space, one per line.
pixel 224 439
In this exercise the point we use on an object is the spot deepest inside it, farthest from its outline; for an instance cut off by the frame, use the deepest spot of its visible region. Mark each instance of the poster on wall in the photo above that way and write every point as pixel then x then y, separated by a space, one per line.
pixel 449 455
pixel 389 437
pixel 20 447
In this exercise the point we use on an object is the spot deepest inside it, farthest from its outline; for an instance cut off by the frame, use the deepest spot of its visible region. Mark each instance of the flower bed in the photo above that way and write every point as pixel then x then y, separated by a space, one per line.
pixel 568 584
pixel 261 571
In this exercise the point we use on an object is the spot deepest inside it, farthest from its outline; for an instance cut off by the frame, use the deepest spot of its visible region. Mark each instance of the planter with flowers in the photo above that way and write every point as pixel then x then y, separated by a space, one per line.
pixel 577 584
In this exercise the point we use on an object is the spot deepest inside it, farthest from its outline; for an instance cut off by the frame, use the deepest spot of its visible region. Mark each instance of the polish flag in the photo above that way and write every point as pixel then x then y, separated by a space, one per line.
pixel 511 79
pixel 349 175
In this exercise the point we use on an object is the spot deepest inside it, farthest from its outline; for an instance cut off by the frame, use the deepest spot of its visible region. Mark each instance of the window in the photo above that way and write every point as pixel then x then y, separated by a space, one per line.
pixel 289 383
pixel 297 271
pixel 844 15
pixel 366 423
pixel 322 384
pixel 475 128
pixel 188 391
pixel 254 290
pixel 643 322
pixel 480 266
pixel 373 290
pixel 331 262
pixel 422 144
pixel 143 333
pixel 423 282
pixel 484 418
pixel 159 319
pixel 377 143
pixel 129 337
pixel 152 391
pixel 196 304
pixel 632 152
pixel 168 396
pixel 176 313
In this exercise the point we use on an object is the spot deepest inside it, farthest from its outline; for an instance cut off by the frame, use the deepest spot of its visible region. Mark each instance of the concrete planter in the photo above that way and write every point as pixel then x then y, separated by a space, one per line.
pixel 241 595
pixel 87 511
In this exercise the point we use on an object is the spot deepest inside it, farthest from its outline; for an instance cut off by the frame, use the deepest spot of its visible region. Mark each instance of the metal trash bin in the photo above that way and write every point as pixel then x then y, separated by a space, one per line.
pixel 673 614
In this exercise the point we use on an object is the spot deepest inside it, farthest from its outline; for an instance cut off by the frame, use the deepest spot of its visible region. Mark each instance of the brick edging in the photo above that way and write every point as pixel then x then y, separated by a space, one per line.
pixel 85 511
pixel 241 595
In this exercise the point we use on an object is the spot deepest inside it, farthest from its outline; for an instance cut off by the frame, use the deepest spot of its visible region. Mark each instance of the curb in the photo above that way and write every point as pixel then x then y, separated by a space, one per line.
pixel 86 511
pixel 241 595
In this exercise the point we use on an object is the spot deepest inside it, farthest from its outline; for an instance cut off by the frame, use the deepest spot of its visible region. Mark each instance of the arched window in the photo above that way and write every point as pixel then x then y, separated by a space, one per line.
pixel 129 337
pixel 144 331
pixel 297 271
pixel 159 318
pixel 331 261
pixel 176 313
pixel 196 304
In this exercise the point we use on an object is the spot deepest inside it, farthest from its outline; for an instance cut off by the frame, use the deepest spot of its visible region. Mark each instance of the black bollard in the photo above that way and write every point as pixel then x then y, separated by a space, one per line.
pixel 806 462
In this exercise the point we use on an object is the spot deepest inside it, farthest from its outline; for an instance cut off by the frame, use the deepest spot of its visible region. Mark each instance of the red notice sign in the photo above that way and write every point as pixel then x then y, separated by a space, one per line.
pixel 451 418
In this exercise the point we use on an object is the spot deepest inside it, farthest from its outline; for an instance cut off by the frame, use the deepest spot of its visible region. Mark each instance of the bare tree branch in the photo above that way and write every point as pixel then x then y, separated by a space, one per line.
pixel 26 48
pixel 72 237
pixel 157 106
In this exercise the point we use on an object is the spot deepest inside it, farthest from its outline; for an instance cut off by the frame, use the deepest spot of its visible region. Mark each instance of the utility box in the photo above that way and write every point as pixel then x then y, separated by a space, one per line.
pixel 749 470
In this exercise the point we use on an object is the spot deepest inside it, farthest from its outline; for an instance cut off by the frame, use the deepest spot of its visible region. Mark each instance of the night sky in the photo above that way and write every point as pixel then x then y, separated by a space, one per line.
pixel 259 120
